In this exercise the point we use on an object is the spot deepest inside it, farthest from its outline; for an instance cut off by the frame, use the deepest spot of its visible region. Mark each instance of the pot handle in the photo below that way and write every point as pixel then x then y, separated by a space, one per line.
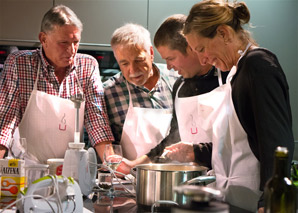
pixel 133 171
pixel 201 180
pixel 163 202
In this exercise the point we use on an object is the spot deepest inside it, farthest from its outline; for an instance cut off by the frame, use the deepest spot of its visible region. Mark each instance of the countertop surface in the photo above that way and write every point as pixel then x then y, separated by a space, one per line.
pixel 100 202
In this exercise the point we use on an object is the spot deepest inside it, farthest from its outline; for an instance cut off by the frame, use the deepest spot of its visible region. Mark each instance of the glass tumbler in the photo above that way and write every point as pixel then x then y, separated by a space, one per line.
pixel 34 172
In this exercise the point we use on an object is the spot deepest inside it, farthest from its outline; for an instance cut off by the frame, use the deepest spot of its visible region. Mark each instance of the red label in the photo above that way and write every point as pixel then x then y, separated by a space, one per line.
pixel 59 170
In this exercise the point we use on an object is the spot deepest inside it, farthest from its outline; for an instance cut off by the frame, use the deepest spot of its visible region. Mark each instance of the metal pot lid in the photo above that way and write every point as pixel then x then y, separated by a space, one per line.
pixel 198 193
pixel 171 167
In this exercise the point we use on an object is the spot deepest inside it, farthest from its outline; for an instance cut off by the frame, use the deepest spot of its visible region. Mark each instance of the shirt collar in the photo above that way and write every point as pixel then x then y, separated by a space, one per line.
pixel 50 68
pixel 212 72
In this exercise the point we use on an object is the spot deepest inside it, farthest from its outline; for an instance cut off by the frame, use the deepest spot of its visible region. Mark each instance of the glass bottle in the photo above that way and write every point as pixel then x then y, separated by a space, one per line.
pixel 280 192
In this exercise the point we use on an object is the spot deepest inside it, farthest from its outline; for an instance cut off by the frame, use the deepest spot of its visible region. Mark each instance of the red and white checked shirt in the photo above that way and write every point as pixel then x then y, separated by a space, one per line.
pixel 17 82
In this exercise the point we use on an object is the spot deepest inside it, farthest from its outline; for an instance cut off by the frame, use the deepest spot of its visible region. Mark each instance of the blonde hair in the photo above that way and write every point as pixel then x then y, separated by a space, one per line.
pixel 205 16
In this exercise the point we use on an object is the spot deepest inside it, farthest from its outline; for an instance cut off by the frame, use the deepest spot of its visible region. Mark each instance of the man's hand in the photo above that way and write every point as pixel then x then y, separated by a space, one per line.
pixel 126 165
pixel 3 149
pixel 182 152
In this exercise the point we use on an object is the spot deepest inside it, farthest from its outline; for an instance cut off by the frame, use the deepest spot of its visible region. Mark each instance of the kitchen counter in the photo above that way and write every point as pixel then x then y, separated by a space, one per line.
pixel 96 202
pixel 5 201
pixel 126 203
pixel 99 202
pixel 107 205
pixel 129 205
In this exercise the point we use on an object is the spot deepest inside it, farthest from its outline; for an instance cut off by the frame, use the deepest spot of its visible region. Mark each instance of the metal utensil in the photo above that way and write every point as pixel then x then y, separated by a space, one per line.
pixel 77 99
pixel 201 180
pixel 164 154
pixel 163 158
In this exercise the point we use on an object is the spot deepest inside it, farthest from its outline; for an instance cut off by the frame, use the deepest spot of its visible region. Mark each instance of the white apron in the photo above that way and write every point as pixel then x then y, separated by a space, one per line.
pixel 48 125
pixel 143 129
pixel 236 168
pixel 192 127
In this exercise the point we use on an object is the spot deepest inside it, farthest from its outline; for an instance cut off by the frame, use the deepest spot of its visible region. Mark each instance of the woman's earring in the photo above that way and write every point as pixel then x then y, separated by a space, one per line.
pixel 240 52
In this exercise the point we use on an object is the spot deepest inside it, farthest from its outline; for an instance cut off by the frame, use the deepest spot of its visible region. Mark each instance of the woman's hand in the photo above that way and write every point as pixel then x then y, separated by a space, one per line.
pixel 182 152
pixel 125 166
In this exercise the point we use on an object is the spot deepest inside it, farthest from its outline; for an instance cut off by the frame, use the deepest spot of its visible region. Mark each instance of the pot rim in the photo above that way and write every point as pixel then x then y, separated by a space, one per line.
pixel 171 167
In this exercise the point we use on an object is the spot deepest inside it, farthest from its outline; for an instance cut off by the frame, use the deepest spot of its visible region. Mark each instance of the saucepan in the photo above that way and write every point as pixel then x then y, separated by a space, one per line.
pixel 155 182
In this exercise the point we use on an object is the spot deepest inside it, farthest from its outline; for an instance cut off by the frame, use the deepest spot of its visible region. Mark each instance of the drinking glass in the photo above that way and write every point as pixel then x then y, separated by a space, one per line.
pixel 112 158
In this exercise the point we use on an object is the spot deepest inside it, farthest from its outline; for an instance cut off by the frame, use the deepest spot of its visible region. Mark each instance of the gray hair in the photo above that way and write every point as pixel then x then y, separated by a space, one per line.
pixel 132 35
pixel 60 15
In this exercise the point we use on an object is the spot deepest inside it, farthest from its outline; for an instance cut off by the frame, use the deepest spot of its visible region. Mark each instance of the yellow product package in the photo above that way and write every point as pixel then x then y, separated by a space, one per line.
pixel 12 176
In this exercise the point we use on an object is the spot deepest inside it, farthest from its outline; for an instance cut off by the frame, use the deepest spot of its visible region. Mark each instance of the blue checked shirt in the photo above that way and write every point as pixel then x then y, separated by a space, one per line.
pixel 117 96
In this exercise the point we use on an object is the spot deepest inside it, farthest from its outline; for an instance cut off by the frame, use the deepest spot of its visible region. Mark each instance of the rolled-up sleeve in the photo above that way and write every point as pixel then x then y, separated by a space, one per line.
pixel 9 101
pixel 203 154
pixel 96 118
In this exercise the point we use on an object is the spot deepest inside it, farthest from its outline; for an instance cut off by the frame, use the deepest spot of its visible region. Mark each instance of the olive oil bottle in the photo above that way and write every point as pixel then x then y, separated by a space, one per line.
pixel 280 192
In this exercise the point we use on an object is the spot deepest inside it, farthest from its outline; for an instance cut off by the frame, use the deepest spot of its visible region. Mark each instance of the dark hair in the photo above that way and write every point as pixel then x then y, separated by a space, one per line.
pixel 170 34
pixel 60 15
pixel 205 16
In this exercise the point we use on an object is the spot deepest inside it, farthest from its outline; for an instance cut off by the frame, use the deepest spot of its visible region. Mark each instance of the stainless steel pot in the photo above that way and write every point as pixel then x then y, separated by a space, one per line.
pixel 155 182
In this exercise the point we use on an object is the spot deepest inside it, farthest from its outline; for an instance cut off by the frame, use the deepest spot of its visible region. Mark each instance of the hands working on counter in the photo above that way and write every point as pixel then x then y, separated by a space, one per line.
pixel 182 152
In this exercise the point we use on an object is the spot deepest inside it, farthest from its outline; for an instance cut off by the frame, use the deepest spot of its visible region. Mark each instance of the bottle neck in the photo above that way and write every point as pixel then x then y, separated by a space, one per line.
pixel 281 167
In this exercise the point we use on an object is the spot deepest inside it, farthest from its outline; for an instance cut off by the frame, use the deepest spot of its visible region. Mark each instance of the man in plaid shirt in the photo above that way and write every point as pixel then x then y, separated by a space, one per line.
pixel 139 100
pixel 36 87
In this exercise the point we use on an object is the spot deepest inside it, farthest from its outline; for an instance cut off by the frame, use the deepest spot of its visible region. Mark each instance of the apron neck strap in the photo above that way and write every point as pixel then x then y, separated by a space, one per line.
pixel 178 89
pixel 35 83
pixel 130 99
pixel 220 83
pixel 234 68
pixel 67 86
pixel 79 84
pixel 242 53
